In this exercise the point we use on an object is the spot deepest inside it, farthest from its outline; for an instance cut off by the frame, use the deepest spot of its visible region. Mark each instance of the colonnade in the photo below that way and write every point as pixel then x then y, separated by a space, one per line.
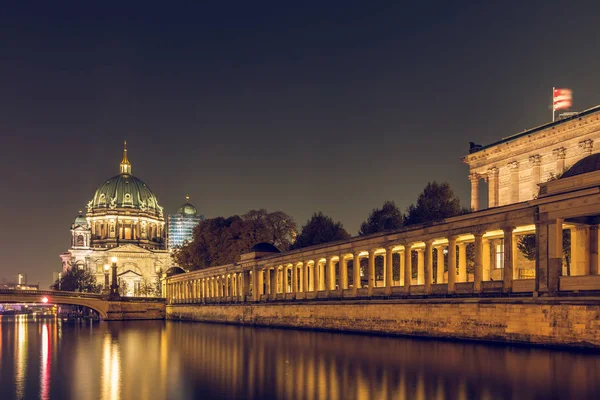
pixel 229 286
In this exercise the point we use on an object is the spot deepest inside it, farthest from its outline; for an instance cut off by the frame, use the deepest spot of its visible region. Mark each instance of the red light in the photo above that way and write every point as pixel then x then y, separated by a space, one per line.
pixel 44 299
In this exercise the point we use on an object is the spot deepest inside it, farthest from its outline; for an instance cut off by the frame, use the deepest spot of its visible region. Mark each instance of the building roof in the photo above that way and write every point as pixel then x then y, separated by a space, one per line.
pixel 538 128
pixel 187 209
pixel 590 163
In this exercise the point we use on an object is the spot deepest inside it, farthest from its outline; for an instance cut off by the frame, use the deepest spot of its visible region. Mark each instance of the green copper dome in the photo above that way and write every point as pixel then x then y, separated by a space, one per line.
pixel 80 220
pixel 187 208
pixel 125 191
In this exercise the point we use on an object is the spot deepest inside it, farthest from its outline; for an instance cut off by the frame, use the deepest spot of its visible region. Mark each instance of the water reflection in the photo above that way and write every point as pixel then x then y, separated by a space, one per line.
pixel 156 360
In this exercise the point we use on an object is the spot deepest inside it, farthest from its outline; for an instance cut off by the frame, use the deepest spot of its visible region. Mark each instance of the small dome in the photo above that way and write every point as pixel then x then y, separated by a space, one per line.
pixel 187 208
pixel 264 247
pixel 175 271
pixel 80 220
pixel 590 163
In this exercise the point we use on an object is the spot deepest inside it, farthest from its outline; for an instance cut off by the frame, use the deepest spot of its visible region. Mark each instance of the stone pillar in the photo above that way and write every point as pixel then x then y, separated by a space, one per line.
pixel 255 291
pixel 428 272
pixel 388 271
pixel 305 273
pixel 331 274
pixel 493 199
pixel 321 276
pixel 462 262
pixel 474 178
pixel 401 257
pixel 356 274
pixel 315 274
pixel 268 281
pixel 343 273
pixel 420 267
pixel 580 250
pixel 514 182
pixel 587 147
pixel 294 278
pixel 593 250
pixel 508 260
pixel 371 272
pixel 486 259
pixel 274 279
pixel 560 154
pixel 439 276
pixel 407 268
pixel 451 264
pixel 536 162
pixel 478 276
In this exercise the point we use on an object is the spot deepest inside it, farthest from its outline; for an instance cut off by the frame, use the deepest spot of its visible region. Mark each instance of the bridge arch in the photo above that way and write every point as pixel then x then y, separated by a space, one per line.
pixel 91 301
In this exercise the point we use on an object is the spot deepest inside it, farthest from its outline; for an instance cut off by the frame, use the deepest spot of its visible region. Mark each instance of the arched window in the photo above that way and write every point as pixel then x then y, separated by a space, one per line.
pixel 79 241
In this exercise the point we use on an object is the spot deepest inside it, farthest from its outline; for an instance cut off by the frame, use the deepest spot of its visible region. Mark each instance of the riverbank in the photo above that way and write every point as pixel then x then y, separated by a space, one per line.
pixel 572 322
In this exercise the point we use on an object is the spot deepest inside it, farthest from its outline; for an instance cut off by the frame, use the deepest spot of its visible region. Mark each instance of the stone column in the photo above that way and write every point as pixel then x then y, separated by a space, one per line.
pixel 514 182
pixel 356 274
pixel 420 267
pixel 407 267
pixel 331 273
pixel 305 273
pixel 268 281
pixel 315 282
pixel 255 291
pixel 294 278
pixel 451 264
pixel 587 147
pixel 428 273
pixel 478 276
pixel 371 272
pixel 508 260
pixel 560 154
pixel 274 287
pixel 343 273
pixel 493 199
pixel 474 178
pixel 321 275
pixel 486 258
pixel 593 250
pixel 536 162
pixel 388 270
pixel 580 250
pixel 462 262
pixel 401 256
pixel 439 276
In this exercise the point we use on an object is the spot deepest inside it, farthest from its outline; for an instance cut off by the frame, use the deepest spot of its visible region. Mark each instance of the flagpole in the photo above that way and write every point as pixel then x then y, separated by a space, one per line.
pixel 553 88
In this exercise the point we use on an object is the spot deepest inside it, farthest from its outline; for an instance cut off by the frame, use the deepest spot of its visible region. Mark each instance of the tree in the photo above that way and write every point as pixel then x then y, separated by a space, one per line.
pixel 527 246
pixel 388 217
pixel 219 241
pixel 149 288
pixel 77 280
pixel 435 203
pixel 320 229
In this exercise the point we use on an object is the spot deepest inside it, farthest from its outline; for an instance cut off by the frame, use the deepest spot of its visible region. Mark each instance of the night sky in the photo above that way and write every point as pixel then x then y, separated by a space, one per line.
pixel 292 106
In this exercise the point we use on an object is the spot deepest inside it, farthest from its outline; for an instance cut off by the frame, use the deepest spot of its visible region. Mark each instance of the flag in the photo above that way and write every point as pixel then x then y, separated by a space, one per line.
pixel 562 99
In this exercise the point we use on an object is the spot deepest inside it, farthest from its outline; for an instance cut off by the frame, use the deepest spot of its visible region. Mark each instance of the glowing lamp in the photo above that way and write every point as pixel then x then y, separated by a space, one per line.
pixel 44 300
pixel 106 267
pixel 114 260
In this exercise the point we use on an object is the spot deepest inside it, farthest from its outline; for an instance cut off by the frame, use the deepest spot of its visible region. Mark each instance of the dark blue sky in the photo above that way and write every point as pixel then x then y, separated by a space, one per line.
pixel 303 106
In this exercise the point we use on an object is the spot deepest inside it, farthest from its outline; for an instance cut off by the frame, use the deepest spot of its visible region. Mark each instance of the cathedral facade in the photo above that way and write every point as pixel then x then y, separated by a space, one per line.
pixel 123 220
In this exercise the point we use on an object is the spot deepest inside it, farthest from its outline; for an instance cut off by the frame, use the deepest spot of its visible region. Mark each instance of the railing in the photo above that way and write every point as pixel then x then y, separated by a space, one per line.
pixel 83 295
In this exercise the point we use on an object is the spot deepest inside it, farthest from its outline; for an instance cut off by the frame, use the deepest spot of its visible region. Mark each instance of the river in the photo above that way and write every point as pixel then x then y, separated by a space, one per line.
pixel 48 358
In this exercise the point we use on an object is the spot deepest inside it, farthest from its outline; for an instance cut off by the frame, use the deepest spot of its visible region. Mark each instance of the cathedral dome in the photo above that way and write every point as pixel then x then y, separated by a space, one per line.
pixel 80 220
pixel 125 191
pixel 187 209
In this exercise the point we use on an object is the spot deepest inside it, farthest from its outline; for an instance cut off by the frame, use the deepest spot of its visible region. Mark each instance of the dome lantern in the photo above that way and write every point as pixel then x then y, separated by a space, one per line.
pixel 125 164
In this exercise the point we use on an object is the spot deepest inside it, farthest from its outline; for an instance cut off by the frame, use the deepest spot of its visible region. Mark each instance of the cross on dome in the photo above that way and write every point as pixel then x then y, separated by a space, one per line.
pixel 125 164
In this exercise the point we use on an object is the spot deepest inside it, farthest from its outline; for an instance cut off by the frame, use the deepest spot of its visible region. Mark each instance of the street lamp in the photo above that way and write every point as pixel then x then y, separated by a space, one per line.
pixel 114 287
pixel 106 270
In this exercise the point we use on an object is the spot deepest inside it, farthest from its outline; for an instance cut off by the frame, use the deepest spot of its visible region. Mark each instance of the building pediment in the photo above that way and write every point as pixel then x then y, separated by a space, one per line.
pixel 128 248
pixel 129 274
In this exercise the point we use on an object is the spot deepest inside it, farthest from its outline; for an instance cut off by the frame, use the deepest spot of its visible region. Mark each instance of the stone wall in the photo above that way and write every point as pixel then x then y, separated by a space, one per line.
pixel 122 310
pixel 551 321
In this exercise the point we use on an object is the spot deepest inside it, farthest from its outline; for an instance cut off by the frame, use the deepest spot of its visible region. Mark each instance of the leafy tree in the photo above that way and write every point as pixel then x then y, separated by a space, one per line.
pixel 435 203
pixel 219 241
pixel 149 288
pixel 320 229
pixel 386 218
pixel 77 280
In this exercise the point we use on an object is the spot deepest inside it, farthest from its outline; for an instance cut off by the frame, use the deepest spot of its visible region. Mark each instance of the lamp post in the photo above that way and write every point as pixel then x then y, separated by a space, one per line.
pixel 106 270
pixel 114 286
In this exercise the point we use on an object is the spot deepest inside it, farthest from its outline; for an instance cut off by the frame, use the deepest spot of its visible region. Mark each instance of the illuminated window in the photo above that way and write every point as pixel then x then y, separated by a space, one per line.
pixel 500 254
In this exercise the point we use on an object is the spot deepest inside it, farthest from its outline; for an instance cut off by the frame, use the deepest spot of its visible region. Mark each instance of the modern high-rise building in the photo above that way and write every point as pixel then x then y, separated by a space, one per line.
pixel 182 224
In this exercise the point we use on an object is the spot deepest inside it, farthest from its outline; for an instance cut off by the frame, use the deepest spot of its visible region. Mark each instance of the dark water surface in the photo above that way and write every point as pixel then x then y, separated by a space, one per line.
pixel 47 358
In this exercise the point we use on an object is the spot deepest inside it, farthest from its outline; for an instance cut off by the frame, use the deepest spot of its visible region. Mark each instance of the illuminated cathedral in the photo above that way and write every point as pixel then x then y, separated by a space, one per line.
pixel 123 220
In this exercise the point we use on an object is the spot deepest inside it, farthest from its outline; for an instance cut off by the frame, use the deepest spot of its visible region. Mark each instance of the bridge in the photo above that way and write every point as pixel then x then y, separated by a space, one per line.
pixel 125 308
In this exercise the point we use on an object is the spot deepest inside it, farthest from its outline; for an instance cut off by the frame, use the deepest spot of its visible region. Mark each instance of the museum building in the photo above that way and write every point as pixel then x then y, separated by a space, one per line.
pixel 123 220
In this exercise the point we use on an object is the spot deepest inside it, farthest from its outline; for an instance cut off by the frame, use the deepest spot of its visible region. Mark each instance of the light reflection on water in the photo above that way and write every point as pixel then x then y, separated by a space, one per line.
pixel 47 358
